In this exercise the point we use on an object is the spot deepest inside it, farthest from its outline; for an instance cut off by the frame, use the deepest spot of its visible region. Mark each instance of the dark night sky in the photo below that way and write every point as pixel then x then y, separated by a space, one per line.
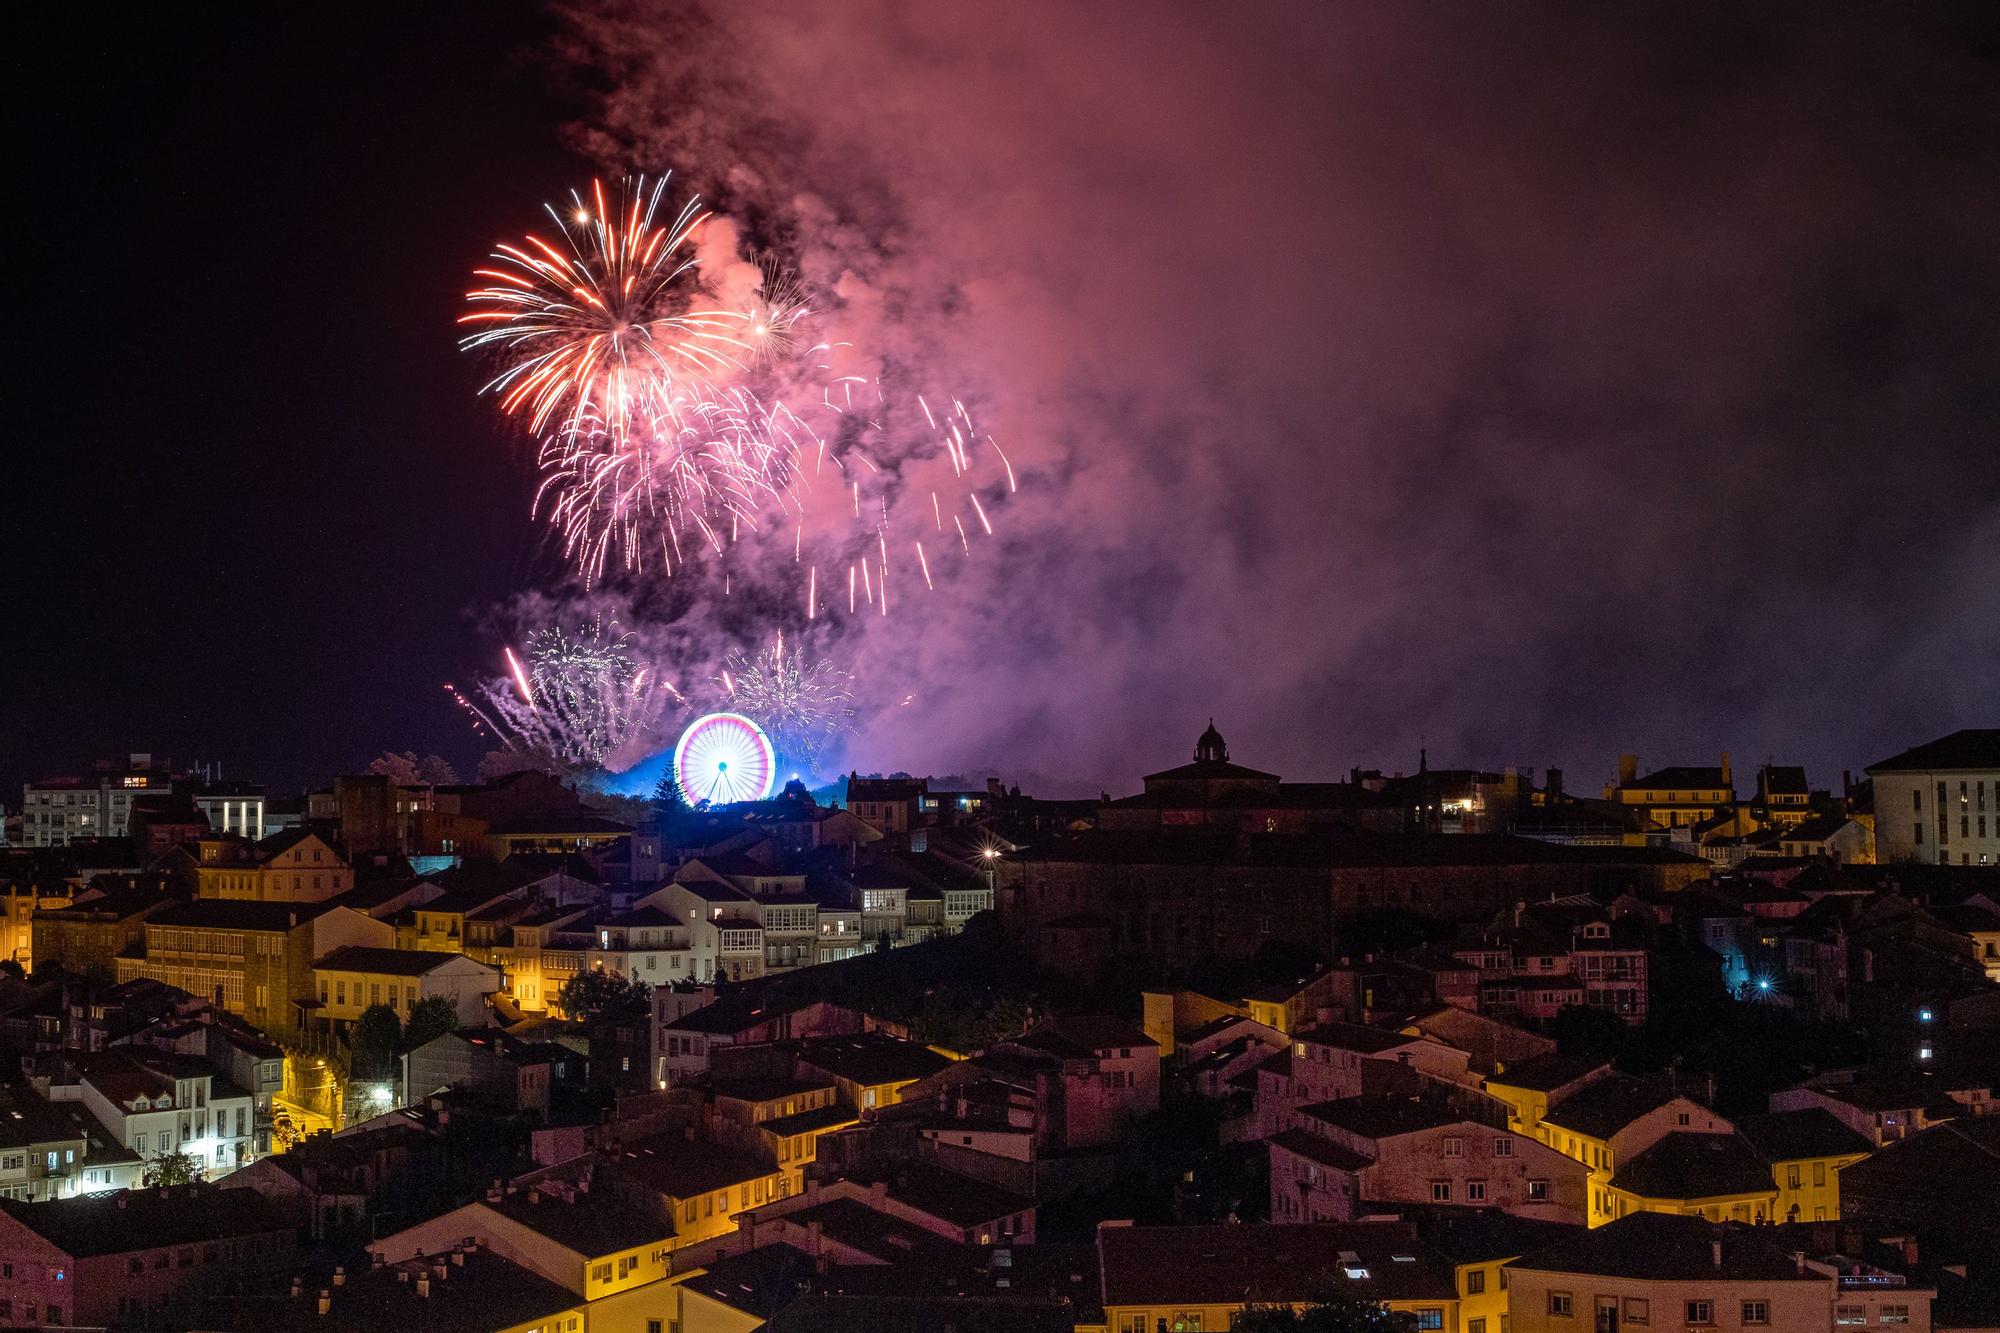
pixel 255 490
pixel 1534 383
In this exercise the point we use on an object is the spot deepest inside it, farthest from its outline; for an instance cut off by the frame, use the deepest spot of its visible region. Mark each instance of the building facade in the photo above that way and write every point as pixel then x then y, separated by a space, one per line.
pixel 1939 802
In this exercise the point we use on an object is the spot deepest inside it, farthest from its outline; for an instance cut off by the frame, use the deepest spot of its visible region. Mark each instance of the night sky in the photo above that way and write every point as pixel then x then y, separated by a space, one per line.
pixel 1528 383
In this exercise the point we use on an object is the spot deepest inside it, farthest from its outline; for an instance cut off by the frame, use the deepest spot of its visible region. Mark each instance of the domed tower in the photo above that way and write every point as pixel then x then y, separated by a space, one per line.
pixel 1211 748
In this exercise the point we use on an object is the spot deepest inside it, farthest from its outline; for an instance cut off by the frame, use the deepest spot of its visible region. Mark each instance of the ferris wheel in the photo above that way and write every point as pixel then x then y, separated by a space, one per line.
pixel 725 757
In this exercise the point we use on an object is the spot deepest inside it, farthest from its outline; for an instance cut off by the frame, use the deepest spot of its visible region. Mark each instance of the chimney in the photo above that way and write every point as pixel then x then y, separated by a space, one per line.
pixel 1628 769
pixel 340 1275
pixel 424 1285
pixel 458 1258
pixel 298 1287
pixel 1727 781
pixel 1715 1251
pixel 325 1300
pixel 1799 1261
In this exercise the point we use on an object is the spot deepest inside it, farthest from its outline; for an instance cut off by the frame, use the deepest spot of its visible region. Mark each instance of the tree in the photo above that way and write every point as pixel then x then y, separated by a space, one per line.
pixel 1335 1312
pixel 430 1018
pixel 407 770
pixel 595 994
pixel 1582 1030
pixel 174 1168
pixel 437 771
pixel 372 1047
pixel 500 763
pixel 400 769
pixel 668 800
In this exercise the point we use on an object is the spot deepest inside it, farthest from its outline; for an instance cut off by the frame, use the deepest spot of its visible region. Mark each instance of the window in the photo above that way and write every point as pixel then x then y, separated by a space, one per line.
pixel 1430 1317
pixel 1454 1147
pixel 1475 1191
pixel 1756 1312
pixel 1701 1312
pixel 1850 1314
pixel 1538 1191
pixel 1561 1305
pixel 1894 1314
pixel 1503 1147
pixel 1638 1310
pixel 1792 1176
pixel 1476 1325
pixel 1440 1191
pixel 1475 1281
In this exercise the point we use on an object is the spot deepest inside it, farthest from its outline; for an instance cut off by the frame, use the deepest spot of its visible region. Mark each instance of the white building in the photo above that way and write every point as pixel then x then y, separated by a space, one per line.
pixel 157 1102
pixel 60 810
pixel 233 807
pixel 1940 802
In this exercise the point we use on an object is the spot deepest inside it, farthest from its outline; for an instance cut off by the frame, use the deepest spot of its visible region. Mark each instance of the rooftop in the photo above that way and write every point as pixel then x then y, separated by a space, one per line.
pixel 1610 1104
pixel 480 1292
pixel 682 1169
pixel 1329 851
pixel 1783 1136
pixel 759 1283
pixel 1547 1072
pixel 237 914
pixel 959 1200
pixel 1376 1116
pixel 1354 1037
pixel 1972 748
pixel 1084 1036
pixel 1696 1166
pixel 1225 1265
pixel 589 1224
pixel 386 962
pixel 852 1222
pixel 871 1058
pixel 1304 1143
pixel 1665 1247
pixel 113 1223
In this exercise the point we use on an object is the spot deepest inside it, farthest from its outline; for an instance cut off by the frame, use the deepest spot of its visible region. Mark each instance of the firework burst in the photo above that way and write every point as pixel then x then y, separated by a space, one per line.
pixel 573 701
pixel 678 411
pixel 618 360
pixel 803 703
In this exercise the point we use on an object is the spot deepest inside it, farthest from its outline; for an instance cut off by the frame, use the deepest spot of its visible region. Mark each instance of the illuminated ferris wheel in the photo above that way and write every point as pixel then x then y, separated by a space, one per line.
pixel 725 757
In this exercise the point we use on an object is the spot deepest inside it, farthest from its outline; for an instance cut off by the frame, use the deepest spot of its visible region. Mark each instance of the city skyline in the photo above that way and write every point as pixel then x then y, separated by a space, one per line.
pixel 1643 476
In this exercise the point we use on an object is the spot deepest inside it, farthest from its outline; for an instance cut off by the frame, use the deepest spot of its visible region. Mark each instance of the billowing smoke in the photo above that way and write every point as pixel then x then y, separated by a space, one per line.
pixel 1531 384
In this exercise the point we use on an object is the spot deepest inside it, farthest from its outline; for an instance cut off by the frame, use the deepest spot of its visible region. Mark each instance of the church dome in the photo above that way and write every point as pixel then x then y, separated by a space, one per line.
pixel 1211 748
